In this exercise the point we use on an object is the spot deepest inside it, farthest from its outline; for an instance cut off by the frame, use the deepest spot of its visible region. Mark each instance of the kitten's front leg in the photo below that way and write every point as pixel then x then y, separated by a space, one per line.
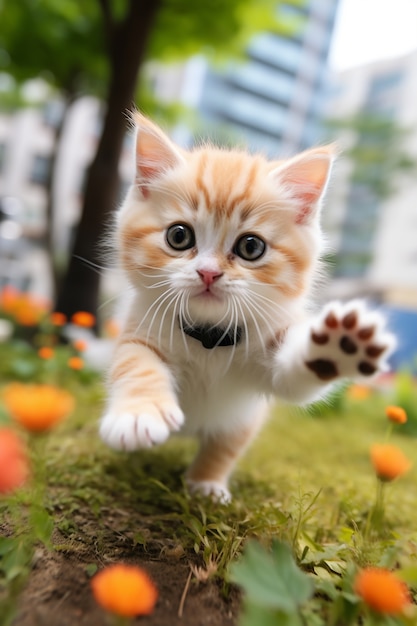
pixel 343 341
pixel 142 408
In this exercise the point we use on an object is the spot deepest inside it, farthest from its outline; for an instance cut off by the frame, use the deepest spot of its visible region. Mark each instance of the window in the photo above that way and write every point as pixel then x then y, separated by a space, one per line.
pixel 3 150
pixel 41 166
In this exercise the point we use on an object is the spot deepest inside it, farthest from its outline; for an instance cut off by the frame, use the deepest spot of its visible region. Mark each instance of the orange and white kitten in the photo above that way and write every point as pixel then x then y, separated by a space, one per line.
pixel 221 249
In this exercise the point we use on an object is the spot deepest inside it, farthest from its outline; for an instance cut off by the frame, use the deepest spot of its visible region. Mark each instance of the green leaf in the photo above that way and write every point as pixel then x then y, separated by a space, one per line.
pixel 43 524
pixel 272 580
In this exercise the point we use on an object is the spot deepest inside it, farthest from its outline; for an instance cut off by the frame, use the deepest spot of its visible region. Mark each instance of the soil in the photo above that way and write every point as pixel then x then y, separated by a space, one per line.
pixel 58 594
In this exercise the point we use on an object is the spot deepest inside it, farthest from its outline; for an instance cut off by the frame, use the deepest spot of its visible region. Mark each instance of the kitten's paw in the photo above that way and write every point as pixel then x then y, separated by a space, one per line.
pixel 145 428
pixel 215 490
pixel 348 340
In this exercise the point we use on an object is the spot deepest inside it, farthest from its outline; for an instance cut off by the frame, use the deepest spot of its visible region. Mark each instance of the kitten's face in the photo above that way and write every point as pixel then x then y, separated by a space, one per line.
pixel 218 236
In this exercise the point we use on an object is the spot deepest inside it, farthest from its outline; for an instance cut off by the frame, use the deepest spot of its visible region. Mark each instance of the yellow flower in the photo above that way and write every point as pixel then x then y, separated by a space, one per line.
pixel 14 464
pixel 124 590
pixel 382 590
pixel 37 407
pixel 83 318
pixel 396 414
pixel 389 461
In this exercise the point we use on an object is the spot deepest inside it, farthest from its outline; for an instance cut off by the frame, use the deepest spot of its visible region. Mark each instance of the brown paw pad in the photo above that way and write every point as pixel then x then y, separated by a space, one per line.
pixel 366 333
pixel 347 345
pixel 331 320
pixel 323 368
pixel 350 320
pixel 319 338
pixel 375 351
pixel 367 369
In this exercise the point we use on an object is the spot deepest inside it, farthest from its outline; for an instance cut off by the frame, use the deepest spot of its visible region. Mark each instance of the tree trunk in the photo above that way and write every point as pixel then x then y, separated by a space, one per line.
pixel 58 130
pixel 80 288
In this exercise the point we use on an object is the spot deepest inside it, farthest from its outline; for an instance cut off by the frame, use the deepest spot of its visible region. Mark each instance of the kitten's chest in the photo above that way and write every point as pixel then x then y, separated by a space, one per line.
pixel 214 393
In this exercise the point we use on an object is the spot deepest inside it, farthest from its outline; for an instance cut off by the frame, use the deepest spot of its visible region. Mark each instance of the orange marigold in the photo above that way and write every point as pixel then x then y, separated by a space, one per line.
pixel 359 392
pixel 396 414
pixel 83 318
pixel 80 345
pixel 37 407
pixel 389 461
pixel 382 590
pixel 14 464
pixel 124 590
pixel 58 319
pixel 75 363
pixel 46 353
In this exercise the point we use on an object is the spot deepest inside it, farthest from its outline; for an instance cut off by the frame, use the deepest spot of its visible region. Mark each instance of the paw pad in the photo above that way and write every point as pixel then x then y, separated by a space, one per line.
pixel 347 341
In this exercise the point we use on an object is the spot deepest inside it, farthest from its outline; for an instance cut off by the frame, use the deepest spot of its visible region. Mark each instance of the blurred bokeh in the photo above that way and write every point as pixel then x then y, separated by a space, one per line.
pixel 258 74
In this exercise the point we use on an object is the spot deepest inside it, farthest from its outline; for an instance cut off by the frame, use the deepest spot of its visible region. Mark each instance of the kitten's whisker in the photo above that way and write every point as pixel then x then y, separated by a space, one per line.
pixel 173 319
pixel 245 326
pixel 162 297
pixel 167 295
pixel 162 320
pixel 183 302
pixel 248 306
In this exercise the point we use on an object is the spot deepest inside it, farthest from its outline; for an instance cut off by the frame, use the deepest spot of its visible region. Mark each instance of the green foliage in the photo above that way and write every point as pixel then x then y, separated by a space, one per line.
pixel 405 396
pixel 55 40
pixel 272 581
pixel 220 28
pixel 378 153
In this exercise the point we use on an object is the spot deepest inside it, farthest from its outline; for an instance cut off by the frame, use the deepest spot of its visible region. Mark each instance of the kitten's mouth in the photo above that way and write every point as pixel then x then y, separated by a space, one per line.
pixel 209 295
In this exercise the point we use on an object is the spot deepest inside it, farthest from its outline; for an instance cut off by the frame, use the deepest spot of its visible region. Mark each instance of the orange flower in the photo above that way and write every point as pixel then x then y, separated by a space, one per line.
pixel 75 363
pixel 382 590
pixel 389 461
pixel 83 318
pixel 9 296
pixel 58 319
pixel 37 407
pixel 80 345
pixel 359 392
pixel 46 353
pixel 124 590
pixel 14 465
pixel 396 414
pixel 111 328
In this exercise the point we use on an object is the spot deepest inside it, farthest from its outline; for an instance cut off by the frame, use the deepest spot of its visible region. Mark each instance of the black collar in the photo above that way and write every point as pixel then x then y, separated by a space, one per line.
pixel 213 336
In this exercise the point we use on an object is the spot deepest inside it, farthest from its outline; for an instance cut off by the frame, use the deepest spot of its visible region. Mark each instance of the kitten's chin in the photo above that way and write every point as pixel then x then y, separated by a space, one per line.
pixel 207 307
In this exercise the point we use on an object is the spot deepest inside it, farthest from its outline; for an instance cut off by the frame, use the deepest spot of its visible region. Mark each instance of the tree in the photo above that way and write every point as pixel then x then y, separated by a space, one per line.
pixel 53 40
pixel 379 159
pixel 106 42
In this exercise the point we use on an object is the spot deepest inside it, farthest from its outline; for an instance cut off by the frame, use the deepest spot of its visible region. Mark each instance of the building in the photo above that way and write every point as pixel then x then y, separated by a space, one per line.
pixel 273 101
pixel 375 235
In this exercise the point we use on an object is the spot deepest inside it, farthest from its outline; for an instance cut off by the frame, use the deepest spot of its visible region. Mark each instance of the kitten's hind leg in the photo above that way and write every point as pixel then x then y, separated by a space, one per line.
pixel 215 461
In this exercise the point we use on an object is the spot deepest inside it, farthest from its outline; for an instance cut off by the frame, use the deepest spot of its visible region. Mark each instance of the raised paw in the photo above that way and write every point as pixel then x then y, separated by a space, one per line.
pixel 150 425
pixel 347 340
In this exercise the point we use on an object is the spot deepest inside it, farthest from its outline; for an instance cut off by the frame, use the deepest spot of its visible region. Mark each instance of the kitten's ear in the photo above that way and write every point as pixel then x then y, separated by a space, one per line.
pixel 155 152
pixel 304 178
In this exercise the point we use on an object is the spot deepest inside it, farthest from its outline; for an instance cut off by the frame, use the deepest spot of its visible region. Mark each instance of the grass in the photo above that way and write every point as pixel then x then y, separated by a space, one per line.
pixel 307 480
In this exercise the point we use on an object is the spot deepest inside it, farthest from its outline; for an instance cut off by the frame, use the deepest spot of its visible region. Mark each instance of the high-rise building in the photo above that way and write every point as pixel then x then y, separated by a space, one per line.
pixel 273 100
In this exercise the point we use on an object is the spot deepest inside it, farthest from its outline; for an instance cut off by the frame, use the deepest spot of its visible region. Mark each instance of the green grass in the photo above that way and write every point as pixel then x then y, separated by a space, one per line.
pixel 306 480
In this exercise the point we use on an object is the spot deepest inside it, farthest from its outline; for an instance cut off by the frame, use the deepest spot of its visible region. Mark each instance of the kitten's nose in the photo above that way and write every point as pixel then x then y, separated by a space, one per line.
pixel 209 276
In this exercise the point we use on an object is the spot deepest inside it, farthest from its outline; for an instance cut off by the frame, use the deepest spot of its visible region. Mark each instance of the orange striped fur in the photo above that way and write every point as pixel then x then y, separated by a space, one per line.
pixel 162 379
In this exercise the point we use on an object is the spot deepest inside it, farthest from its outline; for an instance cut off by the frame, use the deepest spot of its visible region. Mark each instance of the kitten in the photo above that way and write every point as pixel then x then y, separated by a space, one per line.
pixel 222 249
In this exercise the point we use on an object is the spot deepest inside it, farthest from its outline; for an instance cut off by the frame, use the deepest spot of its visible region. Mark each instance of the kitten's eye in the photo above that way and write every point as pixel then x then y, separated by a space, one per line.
pixel 250 247
pixel 180 237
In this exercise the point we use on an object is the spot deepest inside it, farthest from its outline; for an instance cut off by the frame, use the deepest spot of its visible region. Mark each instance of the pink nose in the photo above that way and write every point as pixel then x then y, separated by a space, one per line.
pixel 209 276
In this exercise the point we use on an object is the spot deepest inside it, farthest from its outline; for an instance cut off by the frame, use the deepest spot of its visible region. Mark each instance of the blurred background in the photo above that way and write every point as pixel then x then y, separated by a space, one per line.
pixel 271 75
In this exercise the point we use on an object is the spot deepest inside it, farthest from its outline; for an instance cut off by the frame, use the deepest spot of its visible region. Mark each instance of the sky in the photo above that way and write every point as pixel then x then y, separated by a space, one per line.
pixel 369 30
